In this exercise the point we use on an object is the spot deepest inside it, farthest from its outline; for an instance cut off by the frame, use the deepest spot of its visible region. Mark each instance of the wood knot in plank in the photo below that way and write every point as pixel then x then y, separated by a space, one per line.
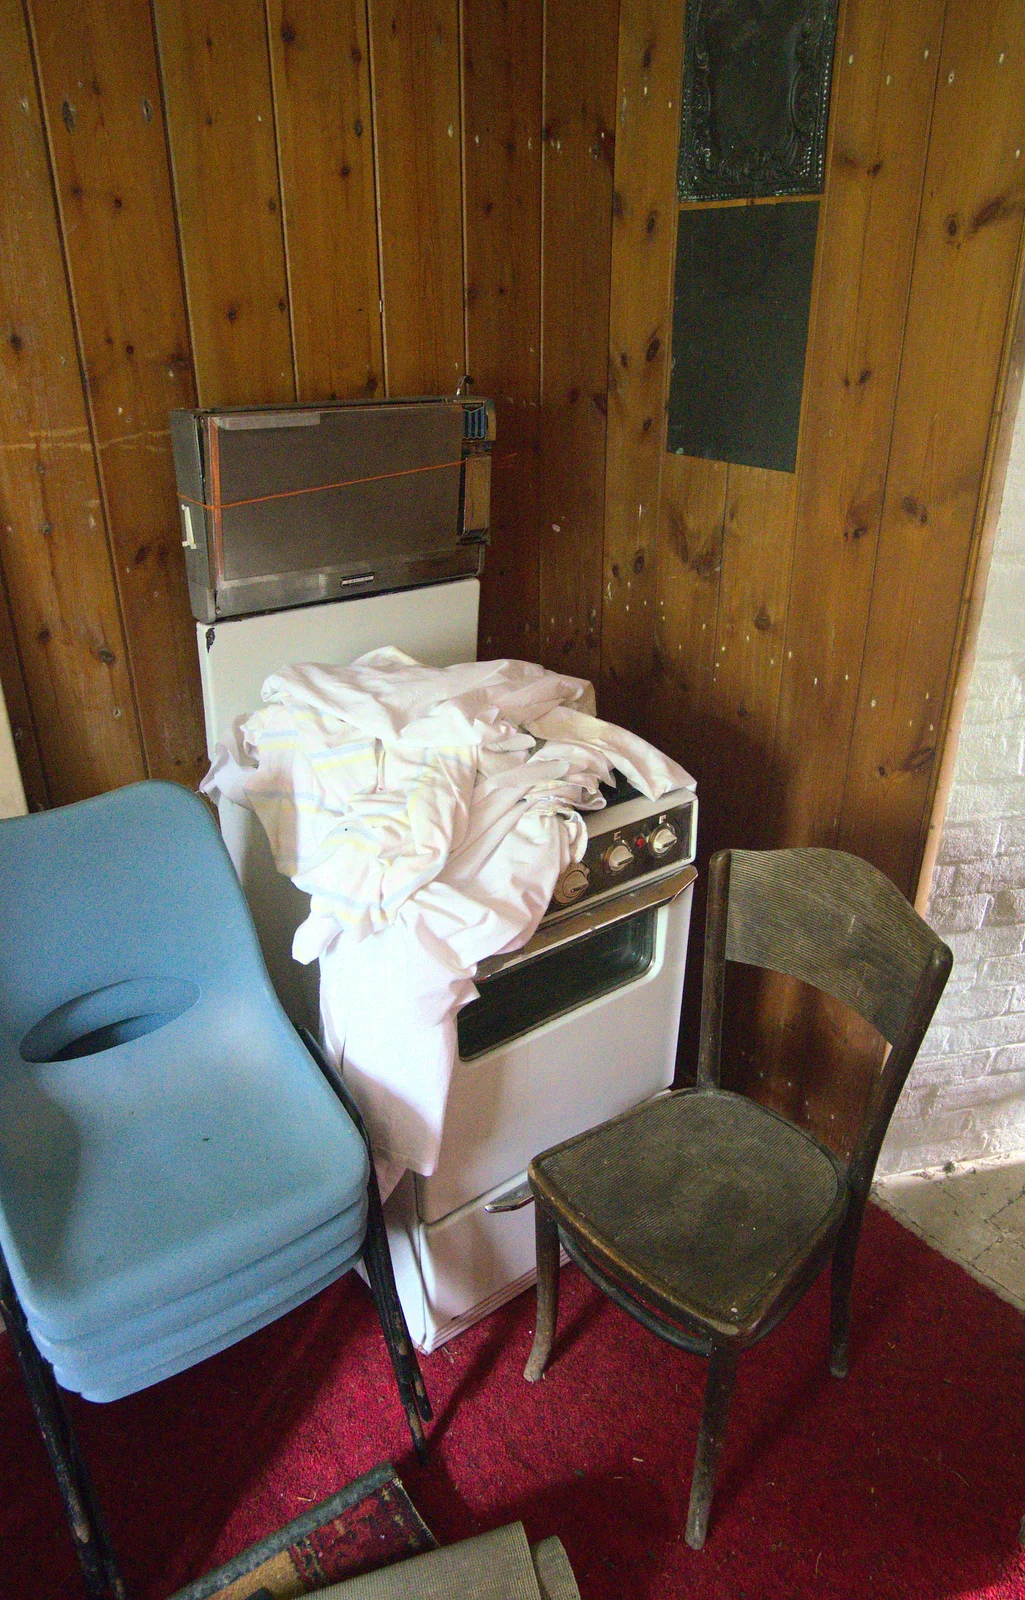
pixel 914 509
pixel 706 565
pixel 860 516
pixel 993 211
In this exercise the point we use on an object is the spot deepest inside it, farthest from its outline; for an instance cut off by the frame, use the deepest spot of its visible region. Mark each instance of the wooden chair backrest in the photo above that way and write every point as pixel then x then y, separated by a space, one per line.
pixel 835 922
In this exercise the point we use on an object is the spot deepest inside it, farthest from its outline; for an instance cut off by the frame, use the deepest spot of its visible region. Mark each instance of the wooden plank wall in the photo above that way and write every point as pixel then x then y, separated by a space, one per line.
pixel 273 199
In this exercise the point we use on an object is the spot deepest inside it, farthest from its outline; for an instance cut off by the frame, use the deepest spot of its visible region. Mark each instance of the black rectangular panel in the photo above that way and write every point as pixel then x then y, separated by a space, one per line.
pixel 740 329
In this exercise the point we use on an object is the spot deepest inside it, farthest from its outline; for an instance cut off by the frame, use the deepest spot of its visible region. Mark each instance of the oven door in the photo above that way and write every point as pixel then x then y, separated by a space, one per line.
pixel 578 1027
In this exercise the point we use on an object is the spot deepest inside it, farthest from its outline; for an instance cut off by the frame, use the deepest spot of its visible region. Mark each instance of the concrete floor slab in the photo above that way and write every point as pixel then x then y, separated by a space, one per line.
pixel 973 1213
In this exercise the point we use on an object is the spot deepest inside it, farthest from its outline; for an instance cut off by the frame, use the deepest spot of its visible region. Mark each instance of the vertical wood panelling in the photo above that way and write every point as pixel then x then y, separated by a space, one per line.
pixel 217 89
pixel 503 64
pixel 417 128
pixel 886 60
pixel 691 517
pixel 19 710
pixel 53 546
pixel 320 62
pixel 692 512
pixel 883 86
pixel 576 252
pixel 753 591
pixel 106 130
pixel 964 271
pixel 643 233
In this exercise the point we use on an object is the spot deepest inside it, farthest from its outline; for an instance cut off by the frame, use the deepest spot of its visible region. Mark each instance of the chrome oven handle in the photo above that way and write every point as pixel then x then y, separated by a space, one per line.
pixel 590 919
pixel 512 1200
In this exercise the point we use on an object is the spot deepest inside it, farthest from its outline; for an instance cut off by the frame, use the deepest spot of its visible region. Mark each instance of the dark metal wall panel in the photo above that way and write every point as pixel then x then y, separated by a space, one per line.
pixel 755 98
pixel 740 329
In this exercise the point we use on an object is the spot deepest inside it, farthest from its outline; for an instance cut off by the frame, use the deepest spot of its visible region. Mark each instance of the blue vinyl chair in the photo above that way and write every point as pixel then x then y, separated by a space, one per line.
pixel 177 1167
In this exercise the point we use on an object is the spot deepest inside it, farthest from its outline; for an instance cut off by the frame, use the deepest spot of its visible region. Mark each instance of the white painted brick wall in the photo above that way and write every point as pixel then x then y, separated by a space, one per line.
pixel 965 1097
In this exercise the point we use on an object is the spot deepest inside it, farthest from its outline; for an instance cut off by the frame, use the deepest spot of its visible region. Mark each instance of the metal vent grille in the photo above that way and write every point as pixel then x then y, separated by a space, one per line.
pixel 475 422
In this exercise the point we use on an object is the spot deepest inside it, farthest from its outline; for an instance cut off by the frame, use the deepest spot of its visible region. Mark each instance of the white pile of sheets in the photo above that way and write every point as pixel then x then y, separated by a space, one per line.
pixel 428 812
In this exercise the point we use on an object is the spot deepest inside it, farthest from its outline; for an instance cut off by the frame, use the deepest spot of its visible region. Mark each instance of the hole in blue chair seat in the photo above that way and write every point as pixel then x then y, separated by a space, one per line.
pixel 107 1017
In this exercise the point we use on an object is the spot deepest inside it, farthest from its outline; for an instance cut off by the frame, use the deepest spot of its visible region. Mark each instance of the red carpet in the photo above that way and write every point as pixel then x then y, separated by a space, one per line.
pixel 907 1480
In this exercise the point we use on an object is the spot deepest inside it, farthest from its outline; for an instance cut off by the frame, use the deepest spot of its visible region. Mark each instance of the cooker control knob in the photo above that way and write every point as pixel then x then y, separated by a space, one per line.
pixel 618 856
pixel 662 840
pixel 572 884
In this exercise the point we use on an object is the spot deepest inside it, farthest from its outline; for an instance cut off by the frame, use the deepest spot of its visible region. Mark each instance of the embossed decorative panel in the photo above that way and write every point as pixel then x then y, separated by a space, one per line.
pixel 755 97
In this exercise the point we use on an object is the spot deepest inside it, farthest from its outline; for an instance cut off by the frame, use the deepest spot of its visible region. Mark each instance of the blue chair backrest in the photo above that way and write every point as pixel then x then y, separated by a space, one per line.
pixel 131 888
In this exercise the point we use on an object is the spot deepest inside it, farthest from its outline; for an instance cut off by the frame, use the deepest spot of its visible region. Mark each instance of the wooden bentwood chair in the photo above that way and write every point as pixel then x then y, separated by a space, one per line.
pixel 703 1214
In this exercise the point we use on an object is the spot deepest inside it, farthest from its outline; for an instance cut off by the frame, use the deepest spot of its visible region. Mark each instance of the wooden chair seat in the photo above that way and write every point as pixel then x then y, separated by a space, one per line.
pixel 701 1204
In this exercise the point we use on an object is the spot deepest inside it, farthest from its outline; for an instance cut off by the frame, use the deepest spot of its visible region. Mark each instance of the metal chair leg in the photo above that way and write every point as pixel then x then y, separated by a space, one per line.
pixel 377 1257
pixel 377 1234
pixel 92 1544
pixel 546 1242
pixel 393 1339
pixel 408 1376
pixel 722 1372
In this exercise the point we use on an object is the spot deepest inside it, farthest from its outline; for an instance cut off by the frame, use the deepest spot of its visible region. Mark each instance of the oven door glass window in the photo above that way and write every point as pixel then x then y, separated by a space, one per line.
pixel 515 1002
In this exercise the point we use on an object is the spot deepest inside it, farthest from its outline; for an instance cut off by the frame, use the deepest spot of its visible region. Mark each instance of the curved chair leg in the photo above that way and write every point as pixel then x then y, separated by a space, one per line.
pixel 722 1371
pixel 841 1278
pixel 546 1239
pixel 92 1544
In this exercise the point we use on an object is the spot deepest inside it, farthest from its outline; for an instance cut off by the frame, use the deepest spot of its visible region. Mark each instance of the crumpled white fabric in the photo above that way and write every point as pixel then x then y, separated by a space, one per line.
pixel 428 812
